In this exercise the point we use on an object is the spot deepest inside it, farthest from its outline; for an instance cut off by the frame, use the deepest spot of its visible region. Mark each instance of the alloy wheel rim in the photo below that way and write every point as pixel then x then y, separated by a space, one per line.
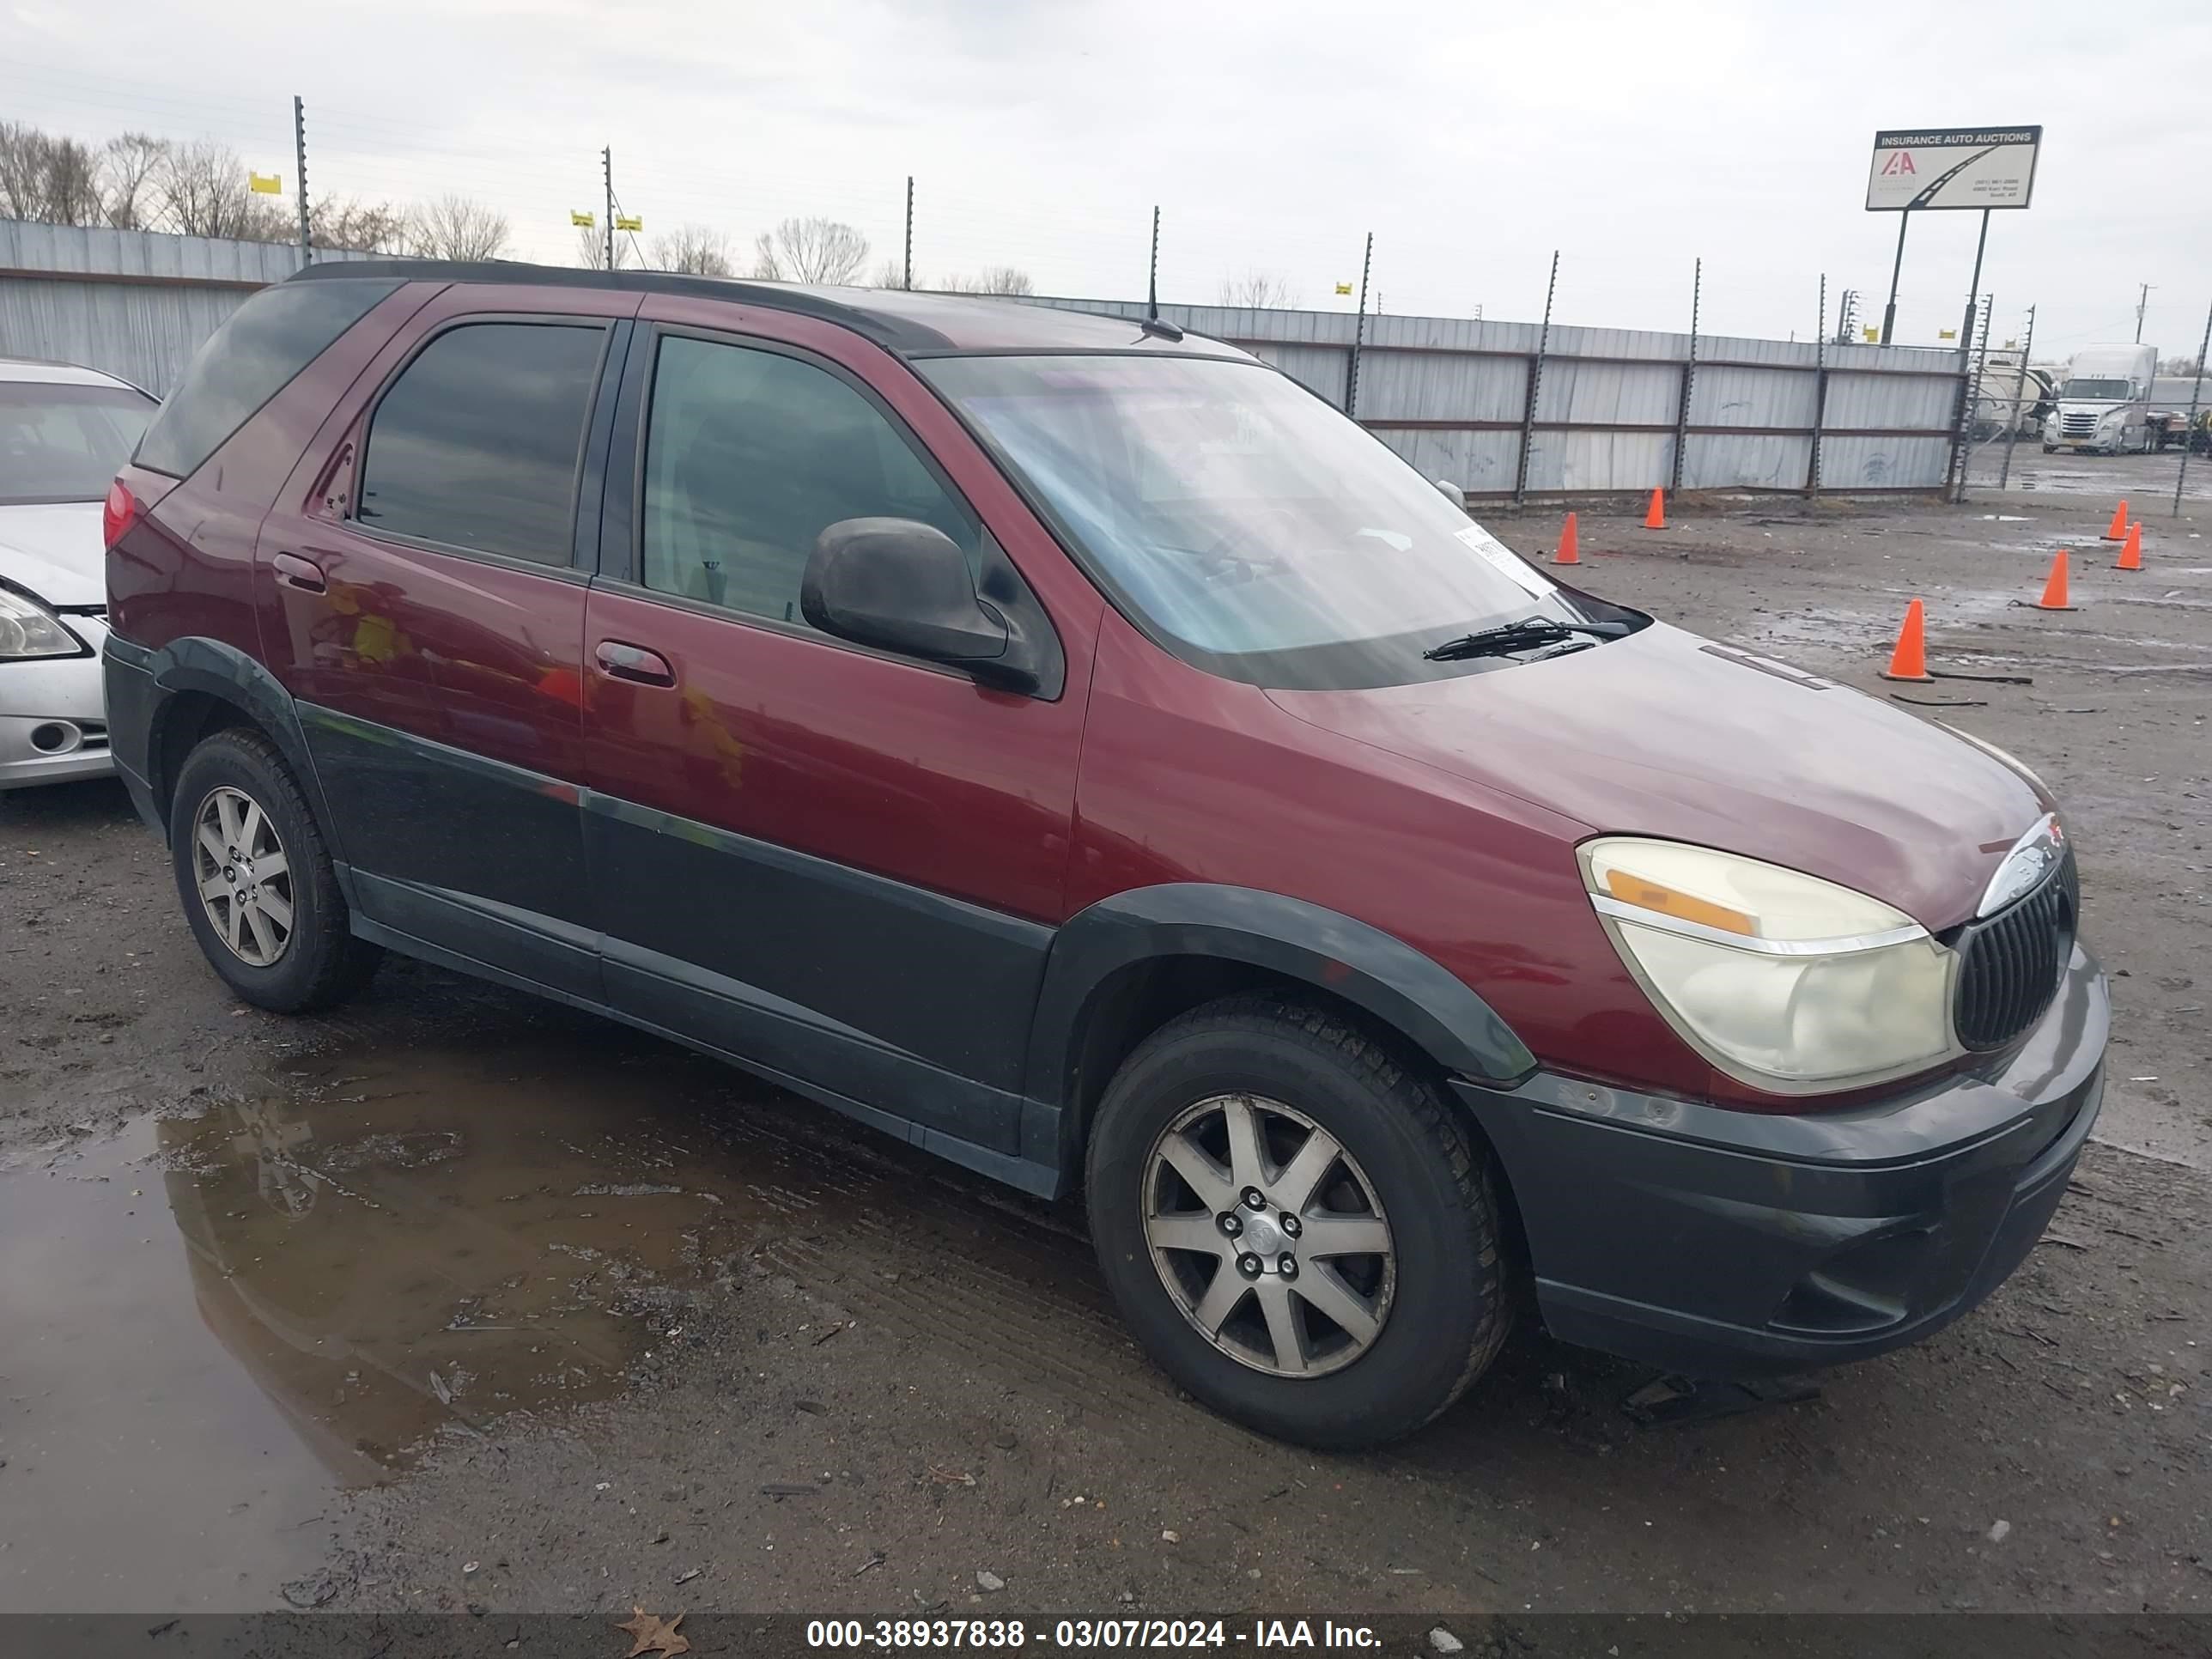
pixel 244 877
pixel 1269 1235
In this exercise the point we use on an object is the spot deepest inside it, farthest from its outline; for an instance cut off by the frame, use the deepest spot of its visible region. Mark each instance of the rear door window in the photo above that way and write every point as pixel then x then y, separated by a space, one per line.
pixel 248 360
pixel 477 444
pixel 750 455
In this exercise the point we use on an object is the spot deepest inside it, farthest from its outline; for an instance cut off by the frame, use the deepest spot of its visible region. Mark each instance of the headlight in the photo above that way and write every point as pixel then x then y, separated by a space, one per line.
pixel 28 629
pixel 1784 981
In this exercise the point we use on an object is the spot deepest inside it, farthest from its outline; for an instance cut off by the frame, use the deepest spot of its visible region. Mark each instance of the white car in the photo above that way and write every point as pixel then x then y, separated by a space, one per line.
pixel 64 432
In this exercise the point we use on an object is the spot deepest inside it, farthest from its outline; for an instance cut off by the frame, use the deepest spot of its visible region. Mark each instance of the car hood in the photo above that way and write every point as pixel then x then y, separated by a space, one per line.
pixel 54 551
pixel 1665 734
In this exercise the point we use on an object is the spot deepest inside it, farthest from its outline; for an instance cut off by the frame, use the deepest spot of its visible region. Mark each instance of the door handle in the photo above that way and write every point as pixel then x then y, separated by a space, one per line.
pixel 619 662
pixel 305 574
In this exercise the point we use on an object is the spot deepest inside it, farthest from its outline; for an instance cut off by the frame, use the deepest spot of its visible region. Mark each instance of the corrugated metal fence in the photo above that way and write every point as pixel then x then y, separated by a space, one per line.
pixel 1450 394
pixel 132 303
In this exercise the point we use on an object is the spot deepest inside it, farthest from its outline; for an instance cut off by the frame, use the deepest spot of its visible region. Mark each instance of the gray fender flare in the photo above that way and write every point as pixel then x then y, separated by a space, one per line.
pixel 225 672
pixel 1371 969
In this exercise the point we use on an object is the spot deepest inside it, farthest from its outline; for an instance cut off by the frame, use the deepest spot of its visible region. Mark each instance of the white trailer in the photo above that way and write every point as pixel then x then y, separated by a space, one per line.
pixel 2010 396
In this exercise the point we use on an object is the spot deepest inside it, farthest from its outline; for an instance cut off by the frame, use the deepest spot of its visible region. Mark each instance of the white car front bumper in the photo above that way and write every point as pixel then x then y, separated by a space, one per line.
pixel 53 714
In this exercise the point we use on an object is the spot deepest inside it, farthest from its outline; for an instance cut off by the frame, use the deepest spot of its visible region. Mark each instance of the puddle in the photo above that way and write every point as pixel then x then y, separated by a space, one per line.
pixel 142 1467
pixel 399 1246
pixel 215 1324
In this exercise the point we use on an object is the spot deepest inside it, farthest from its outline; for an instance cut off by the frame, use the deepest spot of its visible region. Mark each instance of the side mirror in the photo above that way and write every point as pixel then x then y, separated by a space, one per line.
pixel 1452 493
pixel 904 586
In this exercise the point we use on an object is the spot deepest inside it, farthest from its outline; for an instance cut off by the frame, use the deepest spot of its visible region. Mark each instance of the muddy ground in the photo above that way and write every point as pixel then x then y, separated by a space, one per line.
pixel 456 1299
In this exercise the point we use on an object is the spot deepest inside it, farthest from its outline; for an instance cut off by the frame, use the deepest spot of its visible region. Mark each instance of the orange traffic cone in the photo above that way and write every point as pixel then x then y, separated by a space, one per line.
pixel 1655 518
pixel 2132 556
pixel 1569 552
pixel 2054 588
pixel 1909 661
pixel 2118 527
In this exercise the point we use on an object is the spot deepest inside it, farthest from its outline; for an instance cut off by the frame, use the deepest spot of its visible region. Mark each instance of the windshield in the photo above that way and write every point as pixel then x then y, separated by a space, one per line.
pixel 65 443
pixel 2096 391
pixel 1243 522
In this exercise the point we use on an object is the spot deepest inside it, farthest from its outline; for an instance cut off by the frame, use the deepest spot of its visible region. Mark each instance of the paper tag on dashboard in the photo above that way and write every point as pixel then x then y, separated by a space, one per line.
pixel 1508 564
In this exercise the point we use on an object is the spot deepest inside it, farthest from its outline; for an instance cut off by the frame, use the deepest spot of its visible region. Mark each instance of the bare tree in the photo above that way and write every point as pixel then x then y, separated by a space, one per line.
pixel 1259 289
pixel 53 179
pixel 2178 365
pixel 363 227
pixel 591 249
pixel 812 250
pixel 993 279
pixel 22 171
pixel 202 190
pixel 889 274
pixel 128 165
pixel 690 248
pixel 456 227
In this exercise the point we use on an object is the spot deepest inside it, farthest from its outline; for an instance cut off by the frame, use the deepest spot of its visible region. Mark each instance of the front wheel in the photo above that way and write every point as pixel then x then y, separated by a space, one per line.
pixel 256 879
pixel 1295 1225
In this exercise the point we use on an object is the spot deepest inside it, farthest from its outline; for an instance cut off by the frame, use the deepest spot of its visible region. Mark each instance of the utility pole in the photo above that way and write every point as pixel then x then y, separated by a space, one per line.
pixel 2143 304
pixel 607 175
pixel 300 171
pixel 906 270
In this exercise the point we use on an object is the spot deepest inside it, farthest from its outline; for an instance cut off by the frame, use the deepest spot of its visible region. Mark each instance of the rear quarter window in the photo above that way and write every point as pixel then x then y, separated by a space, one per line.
pixel 248 360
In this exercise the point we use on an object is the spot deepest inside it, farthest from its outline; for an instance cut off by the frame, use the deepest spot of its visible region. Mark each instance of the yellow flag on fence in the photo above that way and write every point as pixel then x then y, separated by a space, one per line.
pixel 266 184
pixel 586 220
pixel 629 221
pixel 1873 336
pixel 1947 333
pixel 1344 287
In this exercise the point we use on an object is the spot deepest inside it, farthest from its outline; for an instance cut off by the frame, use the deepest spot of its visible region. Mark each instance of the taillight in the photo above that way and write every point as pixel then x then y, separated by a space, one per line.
pixel 119 514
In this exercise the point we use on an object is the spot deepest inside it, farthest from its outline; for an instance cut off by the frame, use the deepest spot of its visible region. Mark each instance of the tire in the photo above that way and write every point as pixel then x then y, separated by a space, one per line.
pixel 1440 1289
pixel 300 954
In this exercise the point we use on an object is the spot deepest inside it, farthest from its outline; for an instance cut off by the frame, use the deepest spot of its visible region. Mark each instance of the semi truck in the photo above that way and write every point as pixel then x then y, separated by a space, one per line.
pixel 2103 406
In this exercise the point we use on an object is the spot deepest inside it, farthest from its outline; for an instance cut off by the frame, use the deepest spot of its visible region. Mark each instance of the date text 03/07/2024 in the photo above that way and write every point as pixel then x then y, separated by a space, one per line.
pixel 890 1634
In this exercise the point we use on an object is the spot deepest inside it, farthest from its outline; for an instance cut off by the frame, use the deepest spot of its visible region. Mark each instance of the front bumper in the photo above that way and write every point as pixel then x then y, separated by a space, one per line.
pixel 1724 1243
pixel 53 714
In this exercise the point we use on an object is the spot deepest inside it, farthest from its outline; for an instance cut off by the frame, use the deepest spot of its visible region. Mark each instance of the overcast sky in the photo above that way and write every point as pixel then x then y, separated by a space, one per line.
pixel 1471 139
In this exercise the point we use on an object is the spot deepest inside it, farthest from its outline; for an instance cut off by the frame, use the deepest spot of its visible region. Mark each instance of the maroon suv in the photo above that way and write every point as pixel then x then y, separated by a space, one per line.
pixel 1069 745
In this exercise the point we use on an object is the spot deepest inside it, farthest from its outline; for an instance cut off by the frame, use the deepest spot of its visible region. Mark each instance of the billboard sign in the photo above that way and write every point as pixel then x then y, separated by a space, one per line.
pixel 1915 169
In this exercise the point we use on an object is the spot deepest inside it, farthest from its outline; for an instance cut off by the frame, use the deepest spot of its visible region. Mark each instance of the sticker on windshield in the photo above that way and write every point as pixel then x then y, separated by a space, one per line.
pixel 1508 564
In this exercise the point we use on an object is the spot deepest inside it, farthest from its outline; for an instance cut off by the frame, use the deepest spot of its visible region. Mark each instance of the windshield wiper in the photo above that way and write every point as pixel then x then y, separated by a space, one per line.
pixel 1523 635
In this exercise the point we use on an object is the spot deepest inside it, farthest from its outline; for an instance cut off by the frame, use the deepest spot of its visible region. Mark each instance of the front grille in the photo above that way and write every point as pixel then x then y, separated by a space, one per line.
pixel 2077 426
pixel 2010 966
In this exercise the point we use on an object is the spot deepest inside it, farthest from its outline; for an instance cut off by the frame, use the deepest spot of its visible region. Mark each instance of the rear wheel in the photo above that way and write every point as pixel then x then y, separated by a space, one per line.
pixel 256 879
pixel 1295 1225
